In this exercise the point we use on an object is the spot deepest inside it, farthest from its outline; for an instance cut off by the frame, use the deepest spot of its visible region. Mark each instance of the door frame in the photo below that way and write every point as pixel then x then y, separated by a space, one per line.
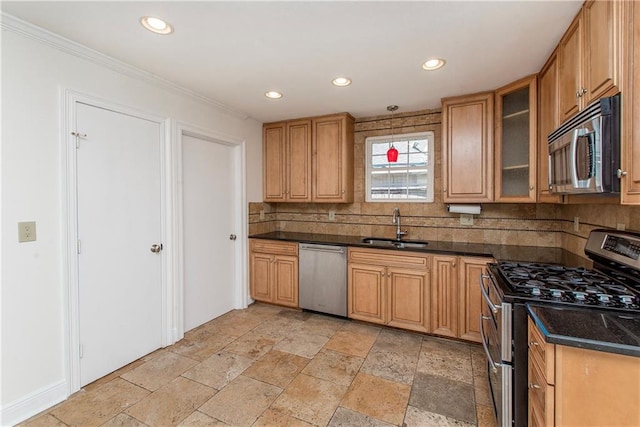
pixel 69 224
pixel 241 294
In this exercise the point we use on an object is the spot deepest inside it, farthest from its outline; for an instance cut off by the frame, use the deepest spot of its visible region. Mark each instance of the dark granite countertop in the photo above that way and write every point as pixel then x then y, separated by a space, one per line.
pixel 498 252
pixel 609 331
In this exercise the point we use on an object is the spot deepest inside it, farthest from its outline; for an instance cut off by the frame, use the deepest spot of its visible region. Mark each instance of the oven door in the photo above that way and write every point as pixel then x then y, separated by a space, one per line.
pixel 500 374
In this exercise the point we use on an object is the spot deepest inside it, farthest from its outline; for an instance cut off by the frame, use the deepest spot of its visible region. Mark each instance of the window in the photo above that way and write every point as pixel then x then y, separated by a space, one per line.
pixel 410 179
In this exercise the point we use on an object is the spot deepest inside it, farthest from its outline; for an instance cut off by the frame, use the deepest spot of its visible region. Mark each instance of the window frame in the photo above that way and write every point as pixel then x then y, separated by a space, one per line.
pixel 429 136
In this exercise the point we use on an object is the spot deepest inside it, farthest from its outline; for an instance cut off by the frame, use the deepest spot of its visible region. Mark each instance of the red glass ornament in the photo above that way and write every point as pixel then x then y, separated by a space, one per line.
pixel 392 154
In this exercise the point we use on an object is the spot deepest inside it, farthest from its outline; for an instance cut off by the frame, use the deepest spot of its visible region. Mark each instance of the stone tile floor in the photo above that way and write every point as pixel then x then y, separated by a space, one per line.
pixel 269 366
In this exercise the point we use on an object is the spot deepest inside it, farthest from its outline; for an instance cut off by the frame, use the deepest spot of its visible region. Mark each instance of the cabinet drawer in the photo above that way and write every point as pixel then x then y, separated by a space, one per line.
pixel 389 258
pixel 274 247
pixel 541 395
pixel 542 352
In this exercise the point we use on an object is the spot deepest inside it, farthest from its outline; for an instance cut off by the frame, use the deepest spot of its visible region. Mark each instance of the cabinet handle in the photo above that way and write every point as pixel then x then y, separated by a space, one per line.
pixel 388 274
pixel 578 94
pixel 533 386
pixel 620 173
pixel 532 343
pixel 583 91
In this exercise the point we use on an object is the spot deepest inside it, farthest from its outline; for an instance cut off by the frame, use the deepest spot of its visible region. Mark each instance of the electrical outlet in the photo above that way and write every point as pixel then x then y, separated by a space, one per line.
pixel 576 223
pixel 621 226
pixel 332 215
pixel 466 219
pixel 26 231
pixel 261 214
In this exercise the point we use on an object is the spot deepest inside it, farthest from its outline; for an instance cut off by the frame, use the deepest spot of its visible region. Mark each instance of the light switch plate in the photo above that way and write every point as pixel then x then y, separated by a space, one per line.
pixel 26 231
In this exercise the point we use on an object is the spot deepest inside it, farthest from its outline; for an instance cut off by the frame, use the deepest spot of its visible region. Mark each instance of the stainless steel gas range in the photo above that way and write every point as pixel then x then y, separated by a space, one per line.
pixel 613 284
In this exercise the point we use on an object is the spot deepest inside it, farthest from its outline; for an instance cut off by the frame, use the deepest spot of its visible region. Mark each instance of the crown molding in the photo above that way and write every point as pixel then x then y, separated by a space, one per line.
pixel 16 25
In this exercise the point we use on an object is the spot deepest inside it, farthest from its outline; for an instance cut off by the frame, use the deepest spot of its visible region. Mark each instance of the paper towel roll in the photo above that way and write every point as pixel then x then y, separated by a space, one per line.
pixel 465 209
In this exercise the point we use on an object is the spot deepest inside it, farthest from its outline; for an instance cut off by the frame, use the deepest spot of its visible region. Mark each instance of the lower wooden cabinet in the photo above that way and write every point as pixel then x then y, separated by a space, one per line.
pixel 456 298
pixel 273 272
pixel 388 288
pixel 570 386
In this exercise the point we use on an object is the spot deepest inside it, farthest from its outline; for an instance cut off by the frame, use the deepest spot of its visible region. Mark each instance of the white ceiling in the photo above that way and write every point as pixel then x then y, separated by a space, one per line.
pixel 234 51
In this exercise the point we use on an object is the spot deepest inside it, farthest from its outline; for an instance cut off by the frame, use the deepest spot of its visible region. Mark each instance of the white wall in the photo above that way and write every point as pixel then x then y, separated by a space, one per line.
pixel 32 299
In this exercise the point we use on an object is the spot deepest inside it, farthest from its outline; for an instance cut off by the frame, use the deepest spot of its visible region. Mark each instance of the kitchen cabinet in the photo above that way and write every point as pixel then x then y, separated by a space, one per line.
pixel 309 160
pixel 287 161
pixel 273 272
pixel 630 150
pixel 445 295
pixel 587 55
pixel 389 288
pixel 574 386
pixel 332 164
pixel 467 150
pixel 470 297
pixel 548 121
pixel 516 141
pixel 456 299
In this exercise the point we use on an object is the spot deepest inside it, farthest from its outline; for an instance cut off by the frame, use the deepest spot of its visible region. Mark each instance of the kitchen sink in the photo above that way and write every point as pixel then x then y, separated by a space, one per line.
pixel 393 243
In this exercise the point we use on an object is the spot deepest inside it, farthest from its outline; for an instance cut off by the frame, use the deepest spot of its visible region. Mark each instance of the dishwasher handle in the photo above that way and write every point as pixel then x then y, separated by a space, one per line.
pixel 322 248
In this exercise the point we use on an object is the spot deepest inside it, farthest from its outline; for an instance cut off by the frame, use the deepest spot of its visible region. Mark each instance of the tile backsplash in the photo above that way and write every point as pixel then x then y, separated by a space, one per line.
pixel 515 224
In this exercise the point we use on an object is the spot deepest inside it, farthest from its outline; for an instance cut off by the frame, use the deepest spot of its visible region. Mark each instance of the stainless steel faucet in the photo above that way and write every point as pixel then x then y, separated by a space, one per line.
pixel 396 220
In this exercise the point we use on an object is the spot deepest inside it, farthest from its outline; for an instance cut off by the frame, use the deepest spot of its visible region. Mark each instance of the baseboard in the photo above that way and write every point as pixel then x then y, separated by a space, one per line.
pixel 30 405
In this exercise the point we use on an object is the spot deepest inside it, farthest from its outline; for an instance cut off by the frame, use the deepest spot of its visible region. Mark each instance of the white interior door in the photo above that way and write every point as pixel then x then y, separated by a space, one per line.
pixel 209 199
pixel 119 219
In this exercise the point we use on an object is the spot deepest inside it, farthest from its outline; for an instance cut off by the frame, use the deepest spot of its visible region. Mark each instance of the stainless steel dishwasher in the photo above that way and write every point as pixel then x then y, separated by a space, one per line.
pixel 323 278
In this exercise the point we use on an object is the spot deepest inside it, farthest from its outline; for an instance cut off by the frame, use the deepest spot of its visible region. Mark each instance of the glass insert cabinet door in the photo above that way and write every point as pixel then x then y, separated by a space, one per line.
pixel 515 172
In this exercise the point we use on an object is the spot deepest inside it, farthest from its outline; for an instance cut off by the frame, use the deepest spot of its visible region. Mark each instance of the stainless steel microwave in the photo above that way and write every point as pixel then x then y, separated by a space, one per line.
pixel 584 152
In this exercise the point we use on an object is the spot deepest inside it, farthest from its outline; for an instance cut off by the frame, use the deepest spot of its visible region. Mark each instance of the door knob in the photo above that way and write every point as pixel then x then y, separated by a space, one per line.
pixel 156 248
pixel 232 237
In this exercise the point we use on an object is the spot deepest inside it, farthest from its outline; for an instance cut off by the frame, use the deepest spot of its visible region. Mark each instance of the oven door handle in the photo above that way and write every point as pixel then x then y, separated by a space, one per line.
pixel 492 306
pixel 494 366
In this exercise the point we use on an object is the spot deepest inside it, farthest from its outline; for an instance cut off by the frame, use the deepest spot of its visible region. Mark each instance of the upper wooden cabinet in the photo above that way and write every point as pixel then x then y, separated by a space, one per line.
pixel 309 160
pixel 548 121
pixel 630 181
pixel 516 142
pixel 467 148
pixel 587 55
pixel 332 165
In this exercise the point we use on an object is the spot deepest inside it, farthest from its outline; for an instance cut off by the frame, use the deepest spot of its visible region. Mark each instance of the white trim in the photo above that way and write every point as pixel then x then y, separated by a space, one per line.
pixel 30 31
pixel 240 213
pixel 33 403
pixel 69 225
pixel 429 136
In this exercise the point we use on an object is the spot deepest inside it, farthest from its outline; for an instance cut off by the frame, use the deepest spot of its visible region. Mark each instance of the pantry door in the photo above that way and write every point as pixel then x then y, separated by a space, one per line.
pixel 119 221
pixel 209 199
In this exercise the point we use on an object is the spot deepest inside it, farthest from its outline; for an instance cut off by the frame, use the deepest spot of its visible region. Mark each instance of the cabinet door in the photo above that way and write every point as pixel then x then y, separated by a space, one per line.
pixel 467 138
pixel 260 277
pixel 516 141
pixel 410 291
pixel 630 183
pixel 332 162
pixel 470 298
pixel 299 161
pixel 548 121
pixel 285 281
pixel 274 162
pixel 570 57
pixel 444 302
pixel 599 65
pixel 367 294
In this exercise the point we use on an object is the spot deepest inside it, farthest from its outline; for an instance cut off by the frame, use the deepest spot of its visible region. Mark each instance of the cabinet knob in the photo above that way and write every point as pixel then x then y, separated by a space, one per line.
pixel 532 343
pixel 583 91
pixel 620 173
pixel 533 386
pixel 531 187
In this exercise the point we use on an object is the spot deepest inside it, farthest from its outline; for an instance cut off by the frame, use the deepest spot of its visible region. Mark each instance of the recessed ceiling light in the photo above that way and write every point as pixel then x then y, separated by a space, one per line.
pixel 156 25
pixel 341 81
pixel 273 94
pixel 433 64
